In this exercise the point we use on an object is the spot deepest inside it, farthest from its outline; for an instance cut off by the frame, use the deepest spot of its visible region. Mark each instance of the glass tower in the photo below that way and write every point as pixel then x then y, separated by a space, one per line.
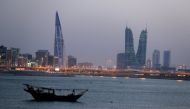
pixel 141 52
pixel 167 56
pixel 59 42
pixel 156 59
pixel 129 48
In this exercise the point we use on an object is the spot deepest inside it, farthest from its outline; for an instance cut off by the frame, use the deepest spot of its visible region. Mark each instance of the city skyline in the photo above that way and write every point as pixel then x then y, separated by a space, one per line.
pixel 87 25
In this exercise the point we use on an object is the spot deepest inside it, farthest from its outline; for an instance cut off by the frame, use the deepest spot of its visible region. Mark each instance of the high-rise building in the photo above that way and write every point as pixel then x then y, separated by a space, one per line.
pixel 72 61
pixel 129 48
pixel 121 61
pixel 166 59
pixel 15 55
pixel 149 64
pixel 3 55
pixel 141 52
pixel 22 61
pixel 129 59
pixel 51 60
pixel 27 56
pixel 59 42
pixel 156 59
pixel 12 56
pixel 56 61
pixel 42 57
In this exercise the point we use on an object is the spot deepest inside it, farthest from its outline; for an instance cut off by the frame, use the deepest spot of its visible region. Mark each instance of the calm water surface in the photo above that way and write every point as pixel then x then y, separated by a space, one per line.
pixel 104 93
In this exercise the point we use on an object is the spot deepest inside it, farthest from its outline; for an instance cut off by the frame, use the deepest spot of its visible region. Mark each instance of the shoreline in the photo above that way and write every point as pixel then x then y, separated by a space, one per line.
pixel 72 74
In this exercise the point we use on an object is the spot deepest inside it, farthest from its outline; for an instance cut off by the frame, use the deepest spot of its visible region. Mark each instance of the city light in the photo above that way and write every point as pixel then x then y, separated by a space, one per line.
pixel 57 69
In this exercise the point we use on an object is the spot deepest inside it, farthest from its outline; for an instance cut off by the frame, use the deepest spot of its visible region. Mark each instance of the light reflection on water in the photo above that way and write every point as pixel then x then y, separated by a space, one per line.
pixel 104 93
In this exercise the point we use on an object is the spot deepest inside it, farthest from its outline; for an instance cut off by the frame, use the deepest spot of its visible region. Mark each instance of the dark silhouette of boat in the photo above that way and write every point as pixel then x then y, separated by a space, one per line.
pixel 50 94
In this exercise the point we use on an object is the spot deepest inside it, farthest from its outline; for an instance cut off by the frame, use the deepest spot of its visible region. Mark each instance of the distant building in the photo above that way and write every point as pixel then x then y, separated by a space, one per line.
pixel 166 59
pixel 3 55
pixel 141 52
pixel 72 61
pixel 12 56
pixel 121 61
pixel 129 48
pixel 9 57
pixel 56 62
pixel 22 61
pixel 42 57
pixel 51 60
pixel 85 65
pixel 156 59
pixel 149 64
pixel 59 42
pixel 27 56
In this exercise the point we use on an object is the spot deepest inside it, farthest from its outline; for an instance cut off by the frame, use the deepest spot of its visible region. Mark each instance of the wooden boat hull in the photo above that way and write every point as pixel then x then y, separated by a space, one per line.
pixel 47 96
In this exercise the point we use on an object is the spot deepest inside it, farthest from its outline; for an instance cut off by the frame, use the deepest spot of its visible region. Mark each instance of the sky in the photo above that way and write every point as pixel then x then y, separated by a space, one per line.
pixel 94 30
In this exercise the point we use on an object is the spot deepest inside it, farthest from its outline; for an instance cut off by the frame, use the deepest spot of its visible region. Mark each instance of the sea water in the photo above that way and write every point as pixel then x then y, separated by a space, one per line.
pixel 104 93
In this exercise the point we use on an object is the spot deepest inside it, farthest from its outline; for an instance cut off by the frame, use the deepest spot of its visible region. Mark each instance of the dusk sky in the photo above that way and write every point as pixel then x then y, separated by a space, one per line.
pixel 94 30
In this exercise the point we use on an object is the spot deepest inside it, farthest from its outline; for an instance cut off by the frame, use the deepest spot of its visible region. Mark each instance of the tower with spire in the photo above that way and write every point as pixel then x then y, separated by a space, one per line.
pixel 58 42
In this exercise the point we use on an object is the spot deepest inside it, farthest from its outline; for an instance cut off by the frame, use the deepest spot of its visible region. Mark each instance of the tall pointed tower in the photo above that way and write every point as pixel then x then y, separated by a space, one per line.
pixel 141 52
pixel 59 42
pixel 129 48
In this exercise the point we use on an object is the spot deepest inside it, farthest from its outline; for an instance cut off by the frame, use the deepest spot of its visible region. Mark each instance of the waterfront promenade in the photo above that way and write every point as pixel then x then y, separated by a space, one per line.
pixel 131 73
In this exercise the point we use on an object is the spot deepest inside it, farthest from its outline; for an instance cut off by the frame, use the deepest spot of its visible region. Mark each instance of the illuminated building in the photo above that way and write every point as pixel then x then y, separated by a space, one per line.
pixel 3 55
pixel 85 65
pixel 12 57
pixel 72 61
pixel 141 52
pixel 42 57
pixel 59 42
pixel 129 48
pixel 156 59
pixel 166 59
pixel 22 61
pixel 56 61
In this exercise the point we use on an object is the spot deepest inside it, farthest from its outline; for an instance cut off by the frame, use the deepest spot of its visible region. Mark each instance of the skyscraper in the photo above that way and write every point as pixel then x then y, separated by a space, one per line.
pixel 166 61
pixel 59 42
pixel 121 61
pixel 3 55
pixel 141 52
pixel 12 56
pixel 129 48
pixel 27 56
pixel 128 58
pixel 156 59
pixel 72 61
pixel 42 57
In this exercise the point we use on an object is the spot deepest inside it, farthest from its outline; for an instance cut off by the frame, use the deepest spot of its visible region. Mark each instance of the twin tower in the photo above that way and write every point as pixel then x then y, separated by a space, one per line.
pixel 129 58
